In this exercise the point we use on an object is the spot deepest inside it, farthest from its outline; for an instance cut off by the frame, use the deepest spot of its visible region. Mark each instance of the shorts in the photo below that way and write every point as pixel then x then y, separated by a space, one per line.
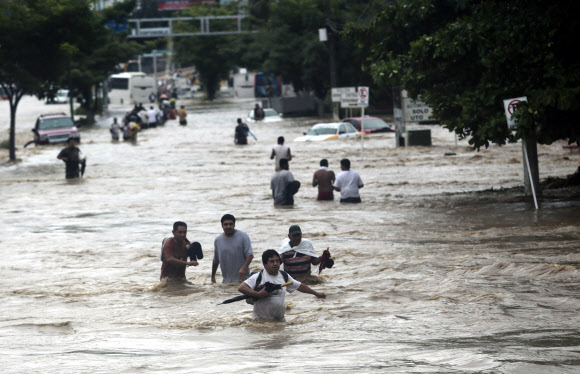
pixel 351 200
pixel 325 195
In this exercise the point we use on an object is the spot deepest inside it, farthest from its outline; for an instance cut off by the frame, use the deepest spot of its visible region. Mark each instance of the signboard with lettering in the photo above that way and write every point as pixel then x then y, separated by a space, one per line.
pixel 337 92
pixel 416 110
pixel 349 100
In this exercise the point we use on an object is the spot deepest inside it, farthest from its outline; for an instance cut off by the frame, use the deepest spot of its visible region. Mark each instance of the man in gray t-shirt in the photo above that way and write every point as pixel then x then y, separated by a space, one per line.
pixel 232 253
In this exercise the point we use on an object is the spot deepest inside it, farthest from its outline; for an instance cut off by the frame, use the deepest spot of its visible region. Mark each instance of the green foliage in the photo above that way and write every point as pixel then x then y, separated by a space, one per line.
pixel 465 57
pixel 211 55
pixel 288 42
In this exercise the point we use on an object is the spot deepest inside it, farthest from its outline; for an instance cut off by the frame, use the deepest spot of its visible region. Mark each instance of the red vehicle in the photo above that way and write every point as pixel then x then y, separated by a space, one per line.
pixel 372 124
pixel 55 128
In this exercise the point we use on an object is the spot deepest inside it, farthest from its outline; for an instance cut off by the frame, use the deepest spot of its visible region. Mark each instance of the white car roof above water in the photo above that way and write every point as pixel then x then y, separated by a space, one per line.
pixel 332 125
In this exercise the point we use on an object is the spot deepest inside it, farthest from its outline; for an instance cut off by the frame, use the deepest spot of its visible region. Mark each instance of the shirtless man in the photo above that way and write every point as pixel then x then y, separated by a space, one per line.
pixel 324 179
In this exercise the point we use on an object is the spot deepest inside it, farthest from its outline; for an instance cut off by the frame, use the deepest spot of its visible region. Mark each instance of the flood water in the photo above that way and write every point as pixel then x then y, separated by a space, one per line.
pixel 434 272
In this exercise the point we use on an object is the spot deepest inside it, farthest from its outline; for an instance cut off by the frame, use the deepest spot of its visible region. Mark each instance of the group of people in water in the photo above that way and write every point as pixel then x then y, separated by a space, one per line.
pixel 284 186
pixel 233 254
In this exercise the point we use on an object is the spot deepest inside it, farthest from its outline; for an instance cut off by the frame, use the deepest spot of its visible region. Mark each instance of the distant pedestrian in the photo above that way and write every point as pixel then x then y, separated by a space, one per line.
pixel 258 113
pixel 324 179
pixel 241 134
pixel 182 114
pixel 348 183
pixel 151 117
pixel 279 152
pixel 71 155
pixel 283 185
pixel 115 129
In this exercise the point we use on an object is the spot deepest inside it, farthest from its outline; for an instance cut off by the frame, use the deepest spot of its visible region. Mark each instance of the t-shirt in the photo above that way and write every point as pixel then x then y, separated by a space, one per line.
pixel 278 185
pixel 152 115
pixel 281 151
pixel 231 254
pixel 172 249
pixel 272 307
pixel 296 263
pixel 72 156
pixel 349 182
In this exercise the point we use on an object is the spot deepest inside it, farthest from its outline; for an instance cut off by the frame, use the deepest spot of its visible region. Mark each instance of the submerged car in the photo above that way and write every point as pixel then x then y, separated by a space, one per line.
pixel 270 115
pixel 55 128
pixel 372 124
pixel 61 97
pixel 329 131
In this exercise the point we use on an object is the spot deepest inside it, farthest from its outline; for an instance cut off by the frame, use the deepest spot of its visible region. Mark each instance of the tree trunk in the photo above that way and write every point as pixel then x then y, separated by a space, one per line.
pixel 531 148
pixel 14 97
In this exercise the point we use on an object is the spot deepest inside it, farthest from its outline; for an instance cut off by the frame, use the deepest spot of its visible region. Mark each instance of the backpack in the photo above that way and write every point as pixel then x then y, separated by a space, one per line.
pixel 259 279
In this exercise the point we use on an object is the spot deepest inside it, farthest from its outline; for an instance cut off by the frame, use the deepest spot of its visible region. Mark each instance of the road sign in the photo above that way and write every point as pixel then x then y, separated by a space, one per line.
pixel 510 106
pixel 349 100
pixel 416 110
pixel 363 97
pixel 338 91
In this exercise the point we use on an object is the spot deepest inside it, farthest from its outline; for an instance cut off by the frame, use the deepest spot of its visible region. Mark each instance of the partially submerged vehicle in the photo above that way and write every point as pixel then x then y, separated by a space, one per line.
pixel 329 131
pixel 55 128
pixel 270 115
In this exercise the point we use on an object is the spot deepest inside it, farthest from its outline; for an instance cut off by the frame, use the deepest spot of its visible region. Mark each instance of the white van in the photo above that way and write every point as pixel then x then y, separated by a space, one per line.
pixel 131 88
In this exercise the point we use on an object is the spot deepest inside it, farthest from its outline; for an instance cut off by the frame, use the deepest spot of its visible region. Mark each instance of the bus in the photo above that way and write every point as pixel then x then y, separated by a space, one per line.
pixel 131 88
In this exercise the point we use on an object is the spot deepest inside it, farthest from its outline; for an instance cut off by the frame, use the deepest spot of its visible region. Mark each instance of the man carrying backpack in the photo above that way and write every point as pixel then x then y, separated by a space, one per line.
pixel 269 305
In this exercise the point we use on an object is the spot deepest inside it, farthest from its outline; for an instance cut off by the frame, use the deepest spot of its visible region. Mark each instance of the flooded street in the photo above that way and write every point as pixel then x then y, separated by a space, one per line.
pixel 434 272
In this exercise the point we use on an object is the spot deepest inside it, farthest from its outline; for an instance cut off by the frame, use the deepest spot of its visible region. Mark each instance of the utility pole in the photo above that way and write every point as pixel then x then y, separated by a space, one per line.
pixel 331 50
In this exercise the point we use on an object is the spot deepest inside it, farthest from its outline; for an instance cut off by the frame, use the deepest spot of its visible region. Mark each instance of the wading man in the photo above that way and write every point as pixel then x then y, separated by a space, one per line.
pixel 348 183
pixel 174 256
pixel 324 178
pixel 232 252
pixel 270 305
pixel 297 254
pixel 71 155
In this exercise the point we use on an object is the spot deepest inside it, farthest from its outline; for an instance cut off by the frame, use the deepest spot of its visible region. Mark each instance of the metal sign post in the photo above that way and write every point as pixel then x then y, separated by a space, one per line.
pixel 510 106
pixel 363 102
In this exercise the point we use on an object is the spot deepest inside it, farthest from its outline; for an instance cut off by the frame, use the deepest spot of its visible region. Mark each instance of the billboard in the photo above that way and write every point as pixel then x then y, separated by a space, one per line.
pixel 181 4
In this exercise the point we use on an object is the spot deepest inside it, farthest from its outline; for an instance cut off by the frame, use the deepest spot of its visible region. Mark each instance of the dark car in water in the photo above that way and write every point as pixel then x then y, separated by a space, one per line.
pixel 372 124
pixel 55 128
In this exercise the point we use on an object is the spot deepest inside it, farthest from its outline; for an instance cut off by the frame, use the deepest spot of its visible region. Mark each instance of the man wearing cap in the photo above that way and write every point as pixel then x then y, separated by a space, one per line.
pixel 297 254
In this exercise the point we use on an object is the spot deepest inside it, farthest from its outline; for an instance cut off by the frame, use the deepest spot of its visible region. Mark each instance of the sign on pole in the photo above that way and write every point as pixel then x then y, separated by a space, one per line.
pixel 363 97
pixel 510 106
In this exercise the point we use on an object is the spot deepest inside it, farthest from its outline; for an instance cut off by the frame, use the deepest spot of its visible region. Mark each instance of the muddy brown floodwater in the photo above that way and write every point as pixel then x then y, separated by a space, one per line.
pixel 434 272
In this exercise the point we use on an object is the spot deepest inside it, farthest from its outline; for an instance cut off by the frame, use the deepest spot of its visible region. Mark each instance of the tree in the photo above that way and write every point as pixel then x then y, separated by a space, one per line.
pixel 100 49
pixel 464 57
pixel 288 42
pixel 39 41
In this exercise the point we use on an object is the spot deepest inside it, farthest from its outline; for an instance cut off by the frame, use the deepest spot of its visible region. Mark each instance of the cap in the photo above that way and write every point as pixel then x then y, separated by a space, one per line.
pixel 294 229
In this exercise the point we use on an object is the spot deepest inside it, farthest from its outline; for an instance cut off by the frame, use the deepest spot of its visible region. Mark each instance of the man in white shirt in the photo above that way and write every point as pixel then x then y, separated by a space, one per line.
pixel 151 117
pixel 270 305
pixel 279 152
pixel 348 183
